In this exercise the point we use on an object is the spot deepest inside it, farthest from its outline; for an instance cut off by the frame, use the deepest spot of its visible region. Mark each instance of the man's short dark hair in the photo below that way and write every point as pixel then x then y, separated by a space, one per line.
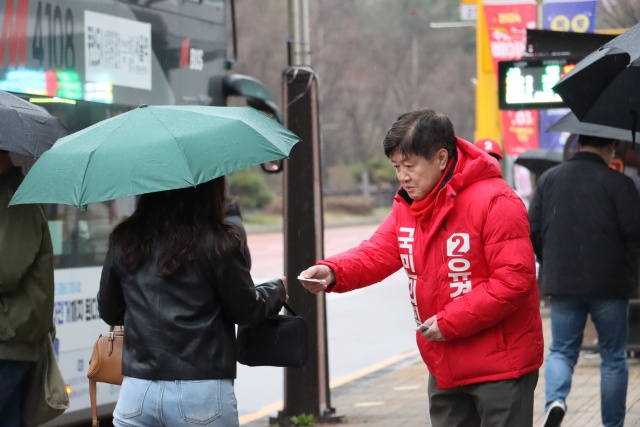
pixel 594 141
pixel 421 132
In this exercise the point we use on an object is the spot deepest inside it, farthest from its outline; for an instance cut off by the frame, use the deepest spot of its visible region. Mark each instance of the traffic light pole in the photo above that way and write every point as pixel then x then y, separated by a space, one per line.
pixel 306 390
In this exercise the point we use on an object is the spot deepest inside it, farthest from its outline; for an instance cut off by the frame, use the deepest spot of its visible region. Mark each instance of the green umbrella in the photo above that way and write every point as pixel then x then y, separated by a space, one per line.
pixel 153 148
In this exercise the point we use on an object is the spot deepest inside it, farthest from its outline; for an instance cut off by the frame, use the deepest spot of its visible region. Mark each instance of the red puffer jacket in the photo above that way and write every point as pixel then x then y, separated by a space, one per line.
pixel 473 266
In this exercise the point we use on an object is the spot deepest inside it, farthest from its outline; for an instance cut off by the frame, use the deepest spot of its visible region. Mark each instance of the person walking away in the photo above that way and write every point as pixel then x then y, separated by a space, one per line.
pixel 490 147
pixel 26 291
pixel 462 236
pixel 176 275
pixel 585 226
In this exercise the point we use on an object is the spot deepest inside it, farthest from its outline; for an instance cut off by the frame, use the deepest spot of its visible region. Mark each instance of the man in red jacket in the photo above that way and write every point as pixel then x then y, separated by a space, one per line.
pixel 462 236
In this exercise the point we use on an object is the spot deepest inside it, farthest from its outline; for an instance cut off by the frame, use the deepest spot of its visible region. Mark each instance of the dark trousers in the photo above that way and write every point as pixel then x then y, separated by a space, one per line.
pixel 504 403
pixel 13 378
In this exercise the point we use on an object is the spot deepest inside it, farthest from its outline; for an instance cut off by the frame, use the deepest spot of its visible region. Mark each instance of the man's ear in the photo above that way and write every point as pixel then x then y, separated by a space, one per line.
pixel 443 158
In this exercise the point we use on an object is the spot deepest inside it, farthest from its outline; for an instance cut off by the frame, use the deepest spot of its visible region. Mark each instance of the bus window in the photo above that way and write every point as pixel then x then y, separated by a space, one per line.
pixel 80 237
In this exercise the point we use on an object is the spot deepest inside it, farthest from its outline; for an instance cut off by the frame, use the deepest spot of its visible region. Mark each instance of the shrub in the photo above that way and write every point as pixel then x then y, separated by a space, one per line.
pixel 303 420
pixel 249 188
pixel 381 171
pixel 350 205
pixel 275 206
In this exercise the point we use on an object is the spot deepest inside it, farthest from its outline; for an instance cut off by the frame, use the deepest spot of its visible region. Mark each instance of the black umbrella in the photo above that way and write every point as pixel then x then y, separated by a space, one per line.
pixel 26 128
pixel 538 161
pixel 604 88
pixel 570 123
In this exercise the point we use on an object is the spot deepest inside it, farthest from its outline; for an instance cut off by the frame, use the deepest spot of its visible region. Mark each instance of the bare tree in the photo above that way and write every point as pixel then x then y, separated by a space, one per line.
pixel 618 13
pixel 375 59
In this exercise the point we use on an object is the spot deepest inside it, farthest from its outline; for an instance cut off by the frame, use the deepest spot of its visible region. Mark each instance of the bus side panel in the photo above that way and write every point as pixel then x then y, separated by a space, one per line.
pixel 114 52
pixel 78 326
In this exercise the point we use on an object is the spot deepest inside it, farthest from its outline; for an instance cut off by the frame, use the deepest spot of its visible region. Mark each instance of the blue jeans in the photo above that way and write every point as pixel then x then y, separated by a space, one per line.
pixel 13 379
pixel 611 319
pixel 176 403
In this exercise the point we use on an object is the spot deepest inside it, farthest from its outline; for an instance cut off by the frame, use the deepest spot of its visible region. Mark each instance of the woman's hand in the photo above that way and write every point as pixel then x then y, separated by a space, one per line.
pixel 286 296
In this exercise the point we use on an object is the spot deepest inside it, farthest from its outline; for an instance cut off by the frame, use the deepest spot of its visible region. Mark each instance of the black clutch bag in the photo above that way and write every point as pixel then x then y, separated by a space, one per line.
pixel 280 340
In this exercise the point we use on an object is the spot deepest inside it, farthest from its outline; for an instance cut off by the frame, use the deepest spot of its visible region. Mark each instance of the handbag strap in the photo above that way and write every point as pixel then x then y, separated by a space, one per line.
pixel 94 408
pixel 289 309
pixel 110 340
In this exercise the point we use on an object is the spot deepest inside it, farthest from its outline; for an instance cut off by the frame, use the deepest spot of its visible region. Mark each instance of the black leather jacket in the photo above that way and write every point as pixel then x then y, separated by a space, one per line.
pixel 183 327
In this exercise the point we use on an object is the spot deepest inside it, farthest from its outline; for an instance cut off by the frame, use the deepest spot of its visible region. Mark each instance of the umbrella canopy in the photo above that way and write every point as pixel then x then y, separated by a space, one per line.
pixel 538 161
pixel 604 87
pixel 26 128
pixel 570 123
pixel 153 148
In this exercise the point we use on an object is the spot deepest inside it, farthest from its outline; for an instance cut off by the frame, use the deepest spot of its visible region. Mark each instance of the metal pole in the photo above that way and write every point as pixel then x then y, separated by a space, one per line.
pixel 293 47
pixel 540 14
pixel 306 390
pixel 299 40
pixel 414 70
pixel 305 43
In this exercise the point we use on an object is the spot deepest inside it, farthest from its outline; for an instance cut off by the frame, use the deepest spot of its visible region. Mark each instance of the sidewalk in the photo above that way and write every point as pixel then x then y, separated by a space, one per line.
pixel 397 395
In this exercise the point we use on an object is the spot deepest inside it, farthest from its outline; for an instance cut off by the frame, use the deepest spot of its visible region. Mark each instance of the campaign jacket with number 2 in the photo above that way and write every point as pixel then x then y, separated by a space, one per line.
pixel 471 264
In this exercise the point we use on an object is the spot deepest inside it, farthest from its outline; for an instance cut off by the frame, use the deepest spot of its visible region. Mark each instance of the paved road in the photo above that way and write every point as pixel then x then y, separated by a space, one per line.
pixel 367 328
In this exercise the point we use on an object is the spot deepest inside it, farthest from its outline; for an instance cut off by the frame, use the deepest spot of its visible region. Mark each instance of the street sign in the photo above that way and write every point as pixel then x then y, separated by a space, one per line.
pixel 468 10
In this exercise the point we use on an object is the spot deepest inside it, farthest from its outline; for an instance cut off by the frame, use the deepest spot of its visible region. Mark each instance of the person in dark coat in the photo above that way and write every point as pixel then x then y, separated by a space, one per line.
pixel 176 274
pixel 585 227
pixel 26 292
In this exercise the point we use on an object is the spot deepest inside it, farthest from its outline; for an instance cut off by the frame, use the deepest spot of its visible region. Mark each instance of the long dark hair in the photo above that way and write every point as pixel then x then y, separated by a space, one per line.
pixel 174 226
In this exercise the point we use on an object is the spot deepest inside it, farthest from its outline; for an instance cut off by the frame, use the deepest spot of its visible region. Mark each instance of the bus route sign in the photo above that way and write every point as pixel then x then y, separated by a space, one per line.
pixel 526 83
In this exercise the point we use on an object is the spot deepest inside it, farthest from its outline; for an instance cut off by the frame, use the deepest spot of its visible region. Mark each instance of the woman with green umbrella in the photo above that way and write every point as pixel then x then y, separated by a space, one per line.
pixel 176 275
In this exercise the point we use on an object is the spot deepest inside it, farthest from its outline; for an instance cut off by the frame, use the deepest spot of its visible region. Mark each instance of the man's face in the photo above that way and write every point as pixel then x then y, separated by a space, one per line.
pixel 418 175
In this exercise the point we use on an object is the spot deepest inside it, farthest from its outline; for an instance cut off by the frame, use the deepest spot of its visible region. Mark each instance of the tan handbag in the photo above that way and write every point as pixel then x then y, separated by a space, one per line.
pixel 105 365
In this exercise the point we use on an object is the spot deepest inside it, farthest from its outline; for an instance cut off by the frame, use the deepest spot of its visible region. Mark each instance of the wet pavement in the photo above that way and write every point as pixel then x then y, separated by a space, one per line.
pixel 396 395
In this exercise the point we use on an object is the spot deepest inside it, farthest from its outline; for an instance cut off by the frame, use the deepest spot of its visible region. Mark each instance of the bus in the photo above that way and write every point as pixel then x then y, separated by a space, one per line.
pixel 86 61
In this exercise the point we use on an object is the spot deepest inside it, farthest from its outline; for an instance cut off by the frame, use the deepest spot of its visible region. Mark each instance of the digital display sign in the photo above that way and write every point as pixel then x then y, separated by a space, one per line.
pixel 527 83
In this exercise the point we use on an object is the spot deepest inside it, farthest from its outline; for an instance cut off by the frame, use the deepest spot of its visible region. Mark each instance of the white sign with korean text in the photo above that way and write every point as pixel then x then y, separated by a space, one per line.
pixel 117 51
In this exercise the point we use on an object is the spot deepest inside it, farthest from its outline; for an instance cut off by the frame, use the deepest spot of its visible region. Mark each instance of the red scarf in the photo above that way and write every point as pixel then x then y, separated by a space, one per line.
pixel 422 210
